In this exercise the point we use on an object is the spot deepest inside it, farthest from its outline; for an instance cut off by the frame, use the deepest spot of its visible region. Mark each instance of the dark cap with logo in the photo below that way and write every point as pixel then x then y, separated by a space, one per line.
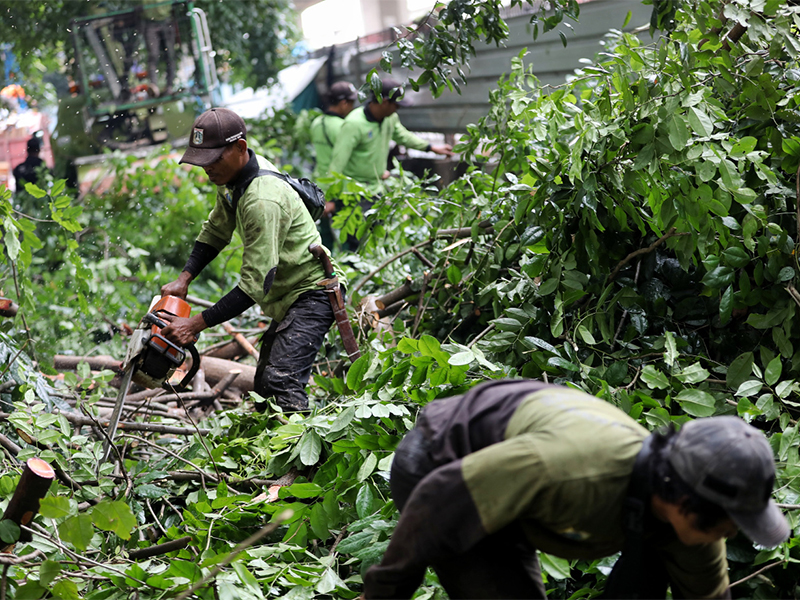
pixel 730 463
pixel 393 90
pixel 342 90
pixel 212 132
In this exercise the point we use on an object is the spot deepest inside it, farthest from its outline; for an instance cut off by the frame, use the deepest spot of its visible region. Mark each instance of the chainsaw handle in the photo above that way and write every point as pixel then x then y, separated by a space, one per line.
pixel 320 254
pixel 181 387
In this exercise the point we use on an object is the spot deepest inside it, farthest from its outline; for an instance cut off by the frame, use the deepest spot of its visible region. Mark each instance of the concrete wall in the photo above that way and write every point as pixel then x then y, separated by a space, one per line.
pixel 552 62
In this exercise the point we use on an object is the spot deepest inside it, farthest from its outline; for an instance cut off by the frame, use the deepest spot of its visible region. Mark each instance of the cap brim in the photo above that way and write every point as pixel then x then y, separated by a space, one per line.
pixel 768 528
pixel 201 157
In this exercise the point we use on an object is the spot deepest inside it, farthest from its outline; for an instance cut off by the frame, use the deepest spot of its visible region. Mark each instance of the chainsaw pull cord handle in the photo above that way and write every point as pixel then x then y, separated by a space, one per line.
pixel 320 254
pixel 181 387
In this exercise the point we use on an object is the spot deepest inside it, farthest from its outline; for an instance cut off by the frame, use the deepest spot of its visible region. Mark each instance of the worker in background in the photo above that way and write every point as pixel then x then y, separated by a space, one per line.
pixel 339 102
pixel 362 149
pixel 278 272
pixel 486 479
pixel 27 171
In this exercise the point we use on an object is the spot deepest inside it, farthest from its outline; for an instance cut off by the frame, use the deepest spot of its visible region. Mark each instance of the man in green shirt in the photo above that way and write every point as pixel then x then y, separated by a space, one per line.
pixel 340 101
pixel 278 272
pixel 361 150
pixel 486 479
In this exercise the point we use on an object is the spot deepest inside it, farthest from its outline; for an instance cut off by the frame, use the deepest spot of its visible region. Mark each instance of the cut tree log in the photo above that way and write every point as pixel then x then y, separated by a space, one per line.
pixel 96 363
pixel 32 487
pixel 215 368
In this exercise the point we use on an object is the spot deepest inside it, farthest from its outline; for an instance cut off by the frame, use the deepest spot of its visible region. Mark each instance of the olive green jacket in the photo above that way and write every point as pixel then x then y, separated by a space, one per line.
pixel 361 150
pixel 276 230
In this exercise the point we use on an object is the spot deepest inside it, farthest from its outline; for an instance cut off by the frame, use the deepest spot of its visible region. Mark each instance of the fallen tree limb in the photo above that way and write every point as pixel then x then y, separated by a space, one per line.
pixel 254 483
pixel 125 426
pixel 671 233
pixel 215 368
pixel 96 363
pixel 385 264
pixel 158 549
pixel 405 290
pixel 241 340
pixel 463 232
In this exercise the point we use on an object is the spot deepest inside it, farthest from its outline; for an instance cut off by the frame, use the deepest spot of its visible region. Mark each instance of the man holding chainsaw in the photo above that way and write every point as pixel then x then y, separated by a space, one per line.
pixel 512 467
pixel 278 271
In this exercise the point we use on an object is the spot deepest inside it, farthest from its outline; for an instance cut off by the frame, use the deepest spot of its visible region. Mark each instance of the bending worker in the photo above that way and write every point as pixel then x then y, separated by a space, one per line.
pixel 278 272
pixel 486 479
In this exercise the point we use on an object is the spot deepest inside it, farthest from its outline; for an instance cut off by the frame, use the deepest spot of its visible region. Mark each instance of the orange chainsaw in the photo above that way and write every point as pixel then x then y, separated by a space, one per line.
pixel 151 358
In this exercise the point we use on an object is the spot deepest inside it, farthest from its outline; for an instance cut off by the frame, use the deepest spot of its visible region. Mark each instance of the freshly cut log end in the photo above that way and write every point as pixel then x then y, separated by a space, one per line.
pixel 37 475
pixel 41 468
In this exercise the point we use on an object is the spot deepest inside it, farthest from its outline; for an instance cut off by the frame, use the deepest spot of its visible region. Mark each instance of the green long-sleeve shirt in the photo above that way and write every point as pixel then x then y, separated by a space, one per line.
pixel 361 150
pixel 276 230
pixel 324 132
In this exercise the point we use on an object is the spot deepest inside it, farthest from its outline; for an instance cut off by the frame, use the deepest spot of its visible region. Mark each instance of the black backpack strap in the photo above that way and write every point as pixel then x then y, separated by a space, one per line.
pixel 627 577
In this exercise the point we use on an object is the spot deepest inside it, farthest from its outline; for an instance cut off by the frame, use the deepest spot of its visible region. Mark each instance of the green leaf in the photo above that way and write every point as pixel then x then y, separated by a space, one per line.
pixel 114 516
pixel 48 571
pixel 670 349
pixel 364 501
pixel 77 531
pixel 749 388
pixel 678 132
pixel 319 522
pixel 35 191
pixel 739 370
pixel 554 566
pixel 66 589
pixel 367 467
pixel 773 371
pixel 150 490
pixel 9 531
pixel 696 403
pixel 310 448
pixel 302 490
pixel 31 590
pixel 694 373
pixel 461 358
pixel 55 507
pixel 701 123
pixel 654 379
pixel 355 375
pixel 726 305
pixel 406 346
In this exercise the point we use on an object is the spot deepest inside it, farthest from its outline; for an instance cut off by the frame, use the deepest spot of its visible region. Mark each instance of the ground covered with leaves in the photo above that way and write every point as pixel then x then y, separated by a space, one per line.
pixel 632 233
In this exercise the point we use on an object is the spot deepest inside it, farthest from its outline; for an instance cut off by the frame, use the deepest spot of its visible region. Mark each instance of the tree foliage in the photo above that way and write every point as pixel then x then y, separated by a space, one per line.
pixel 632 233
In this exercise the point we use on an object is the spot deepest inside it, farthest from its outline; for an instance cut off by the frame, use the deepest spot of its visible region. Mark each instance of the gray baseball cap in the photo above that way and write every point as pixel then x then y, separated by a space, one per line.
pixel 730 463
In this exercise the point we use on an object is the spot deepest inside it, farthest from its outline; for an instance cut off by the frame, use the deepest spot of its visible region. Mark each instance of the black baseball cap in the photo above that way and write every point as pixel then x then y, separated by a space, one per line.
pixel 730 463
pixel 393 90
pixel 211 133
pixel 342 90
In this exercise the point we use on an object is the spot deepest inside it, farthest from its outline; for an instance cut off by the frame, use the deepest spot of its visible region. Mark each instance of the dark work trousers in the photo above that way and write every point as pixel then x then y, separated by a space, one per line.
pixel 288 350
pixel 502 565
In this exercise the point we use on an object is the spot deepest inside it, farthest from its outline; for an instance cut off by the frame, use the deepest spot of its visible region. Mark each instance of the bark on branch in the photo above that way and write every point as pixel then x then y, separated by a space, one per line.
pixel 158 549
pixel 671 233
